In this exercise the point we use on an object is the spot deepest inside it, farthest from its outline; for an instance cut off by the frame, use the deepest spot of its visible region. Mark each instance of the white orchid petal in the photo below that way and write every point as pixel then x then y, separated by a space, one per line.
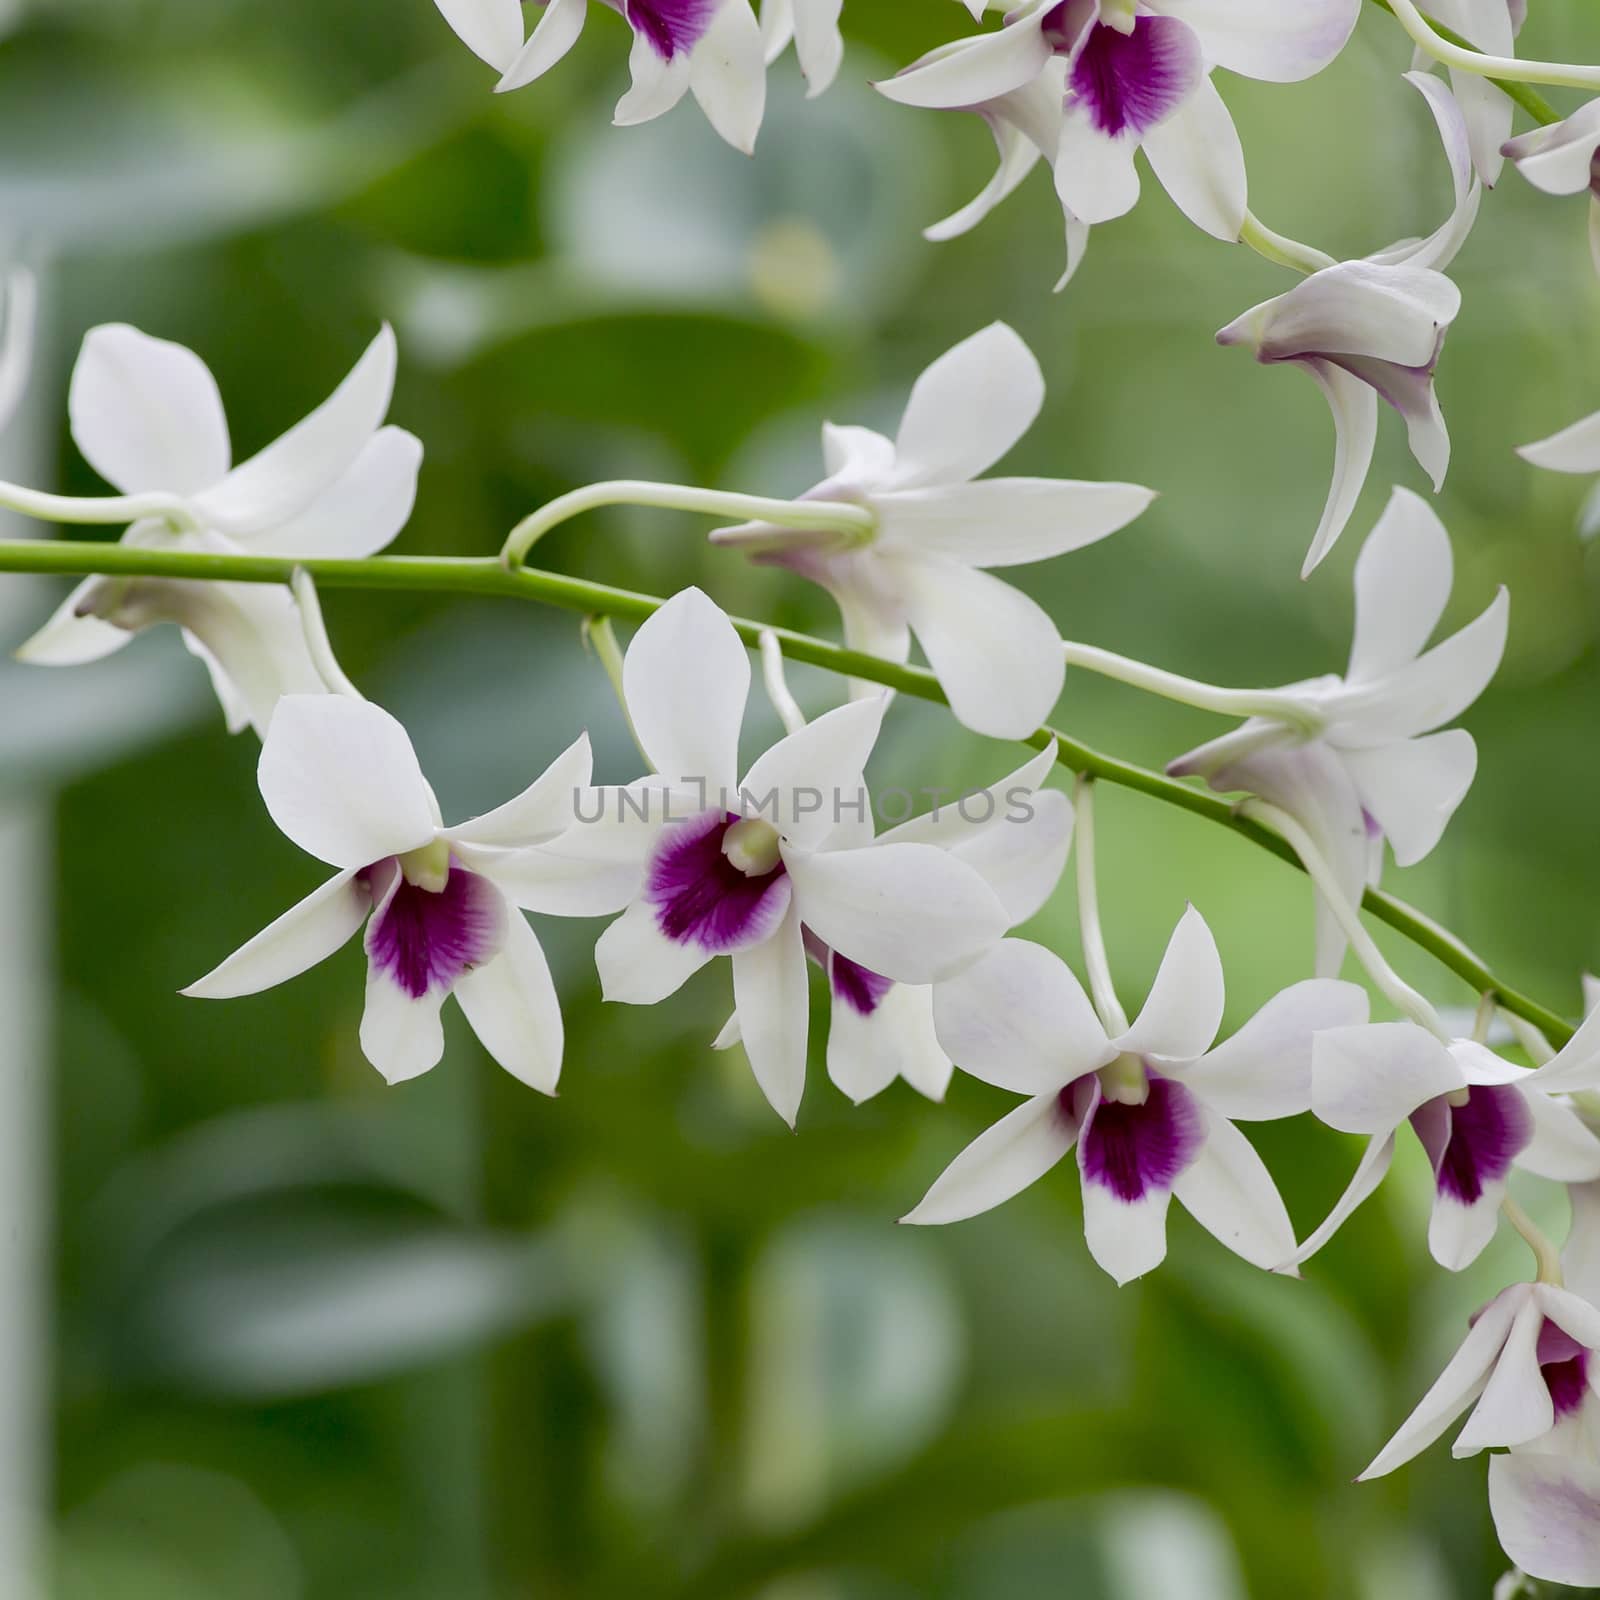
pixel 1461 1382
pixel 69 639
pixel 360 513
pixel 686 678
pixel 867 1053
pixel 1267 39
pixel 1412 789
pixel 1002 522
pixel 553 37
pixel 1022 860
pixel 1369 1079
pixel 980 69
pixel 1354 407
pixel 1546 1513
pixel 1126 1238
pixel 657 85
pixel 1562 1148
pixel 1010 1157
pixel 282 480
pixel 1019 1019
pixel 1096 178
pixel 401 1036
pixel 306 934
pixel 910 912
pixel 1264 1071
pixel 638 964
pixel 818 44
pixel 820 764
pixel 1573 449
pixel 339 777
pixel 771 997
pixel 548 806
pixel 1403 580
pixel 1197 156
pixel 995 651
pixel 510 1002
pixel 1019 155
pixel 1458 1233
pixel 146 413
pixel 1370 1172
pixel 728 74
pixel 1229 1192
pixel 1516 1406
pixel 968 409
pixel 1184 1009
pixel 490 29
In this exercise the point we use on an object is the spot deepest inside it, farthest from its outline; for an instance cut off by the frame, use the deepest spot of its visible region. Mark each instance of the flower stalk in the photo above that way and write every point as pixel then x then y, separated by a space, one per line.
pixel 1096 963
pixel 489 577
pixel 833 521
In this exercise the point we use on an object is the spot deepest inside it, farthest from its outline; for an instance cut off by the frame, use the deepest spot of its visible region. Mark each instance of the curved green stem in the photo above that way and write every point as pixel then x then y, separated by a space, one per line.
pixel 834 521
pixel 1280 248
pixel 1504 72
pixel 487 576
pixel 1271 703
pixel 97 510
pixel 1393 987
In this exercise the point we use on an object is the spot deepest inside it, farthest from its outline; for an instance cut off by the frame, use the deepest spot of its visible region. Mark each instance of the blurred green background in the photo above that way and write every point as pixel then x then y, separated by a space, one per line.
pixel 272 1331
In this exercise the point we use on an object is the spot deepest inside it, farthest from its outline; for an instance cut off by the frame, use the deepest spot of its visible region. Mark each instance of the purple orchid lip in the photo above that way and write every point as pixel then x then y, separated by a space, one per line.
pixel 1129 82
pixel 702 898
pixel 1133 1150
pixel 1473 1145
pixel 1565 1366
pixel 672 27
pixel 425 940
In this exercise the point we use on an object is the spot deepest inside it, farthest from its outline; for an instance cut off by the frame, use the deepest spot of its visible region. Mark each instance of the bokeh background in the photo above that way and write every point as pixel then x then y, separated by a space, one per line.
pixel 270 1330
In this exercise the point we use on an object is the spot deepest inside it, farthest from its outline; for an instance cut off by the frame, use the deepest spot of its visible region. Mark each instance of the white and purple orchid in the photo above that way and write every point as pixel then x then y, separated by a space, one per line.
pixel 1150 1111
pixel 712 49
pixel 1492 27
pixel 147 417
pixel 1375 771
pixel 1017 835
pixel 340 778
pixel 1137 76
pixel 748 869
pixel 1374 329
pixel 1477 1114
pixel 995 651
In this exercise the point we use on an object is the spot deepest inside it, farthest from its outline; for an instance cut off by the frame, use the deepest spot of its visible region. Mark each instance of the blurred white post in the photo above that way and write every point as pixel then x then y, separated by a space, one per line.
pixel 26 988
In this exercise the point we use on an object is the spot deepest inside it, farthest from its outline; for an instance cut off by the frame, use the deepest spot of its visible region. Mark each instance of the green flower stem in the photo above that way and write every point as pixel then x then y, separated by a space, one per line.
pixel 842 523
pixel 103 510
pixel 1271 703
pixel 487 576
pixel 1280 248
pixel 1507 73
pixel 1112 1017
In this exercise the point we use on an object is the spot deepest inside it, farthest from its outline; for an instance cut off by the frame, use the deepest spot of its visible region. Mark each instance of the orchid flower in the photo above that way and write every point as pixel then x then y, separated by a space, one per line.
pixel 1138 76
pixel 1477 1115
pixel 717 867
pixel 340 778
pixel 1526 1363
pixel 813 25
pixel 1372 329
pixel 1492 27
pixel 1375 771
pixel 147 416
pixel 1562 159
pixel 995 651
pixel 1026 125
pixel 1151 1111
pixel 711 49
pixel 1017 835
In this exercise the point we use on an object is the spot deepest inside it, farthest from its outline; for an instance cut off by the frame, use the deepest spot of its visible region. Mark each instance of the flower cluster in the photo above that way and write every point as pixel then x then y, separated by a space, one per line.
pixel 778 863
